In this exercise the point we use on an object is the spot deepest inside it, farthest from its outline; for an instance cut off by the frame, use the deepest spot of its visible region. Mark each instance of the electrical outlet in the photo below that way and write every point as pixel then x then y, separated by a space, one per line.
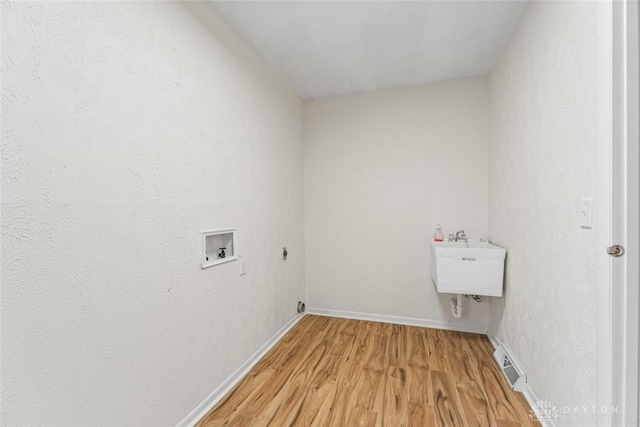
pixel 243 266
pixel 284 254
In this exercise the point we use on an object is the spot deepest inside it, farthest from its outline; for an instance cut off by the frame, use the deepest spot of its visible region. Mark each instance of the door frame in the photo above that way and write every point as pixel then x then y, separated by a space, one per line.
pixel 618 215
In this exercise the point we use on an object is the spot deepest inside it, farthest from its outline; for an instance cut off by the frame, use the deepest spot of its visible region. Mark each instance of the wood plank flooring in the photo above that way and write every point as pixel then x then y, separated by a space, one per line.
pixel 339 372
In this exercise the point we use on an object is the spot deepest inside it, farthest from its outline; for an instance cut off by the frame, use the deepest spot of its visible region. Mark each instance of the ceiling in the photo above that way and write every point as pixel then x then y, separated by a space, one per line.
pixel 325 48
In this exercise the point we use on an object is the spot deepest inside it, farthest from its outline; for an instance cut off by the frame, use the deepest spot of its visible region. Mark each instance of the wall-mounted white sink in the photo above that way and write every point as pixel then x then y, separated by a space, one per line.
pixel 473 268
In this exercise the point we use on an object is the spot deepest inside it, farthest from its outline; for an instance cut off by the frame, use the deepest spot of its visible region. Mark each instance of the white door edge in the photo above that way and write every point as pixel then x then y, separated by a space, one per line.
pixel 618 217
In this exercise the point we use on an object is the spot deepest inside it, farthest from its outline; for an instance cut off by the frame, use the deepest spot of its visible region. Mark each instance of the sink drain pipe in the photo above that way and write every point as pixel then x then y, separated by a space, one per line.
pixel 455 305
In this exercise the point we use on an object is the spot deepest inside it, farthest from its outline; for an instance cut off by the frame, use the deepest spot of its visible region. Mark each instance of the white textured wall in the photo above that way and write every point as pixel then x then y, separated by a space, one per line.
pixel 127 129
pixel 381 170
pixel 542 153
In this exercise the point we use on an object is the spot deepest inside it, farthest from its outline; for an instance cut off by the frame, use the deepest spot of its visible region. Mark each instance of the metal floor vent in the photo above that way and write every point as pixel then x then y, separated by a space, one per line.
pixel 517 379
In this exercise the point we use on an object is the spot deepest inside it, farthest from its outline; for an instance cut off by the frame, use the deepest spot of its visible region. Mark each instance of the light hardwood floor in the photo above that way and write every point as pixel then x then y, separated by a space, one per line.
pixel 339 372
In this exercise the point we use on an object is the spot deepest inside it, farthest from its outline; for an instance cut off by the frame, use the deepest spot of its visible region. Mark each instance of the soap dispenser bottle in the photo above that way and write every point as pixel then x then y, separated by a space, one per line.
pixel 437 236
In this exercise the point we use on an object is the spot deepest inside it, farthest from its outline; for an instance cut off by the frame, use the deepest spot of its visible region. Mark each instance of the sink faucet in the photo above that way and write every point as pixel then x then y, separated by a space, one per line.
pixel 460 236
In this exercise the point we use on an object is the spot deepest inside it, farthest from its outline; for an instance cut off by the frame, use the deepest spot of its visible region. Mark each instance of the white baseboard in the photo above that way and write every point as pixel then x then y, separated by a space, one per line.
pixel 210 401
pixel 528 393
pixel 411 321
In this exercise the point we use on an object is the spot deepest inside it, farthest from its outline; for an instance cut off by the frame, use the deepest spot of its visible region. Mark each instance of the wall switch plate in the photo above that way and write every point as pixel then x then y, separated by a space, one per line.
pixel 243 266
pixel 586 213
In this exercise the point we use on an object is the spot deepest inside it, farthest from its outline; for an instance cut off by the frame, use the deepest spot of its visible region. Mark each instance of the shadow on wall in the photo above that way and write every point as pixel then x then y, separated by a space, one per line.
pixel 497 305
pixel 205 14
